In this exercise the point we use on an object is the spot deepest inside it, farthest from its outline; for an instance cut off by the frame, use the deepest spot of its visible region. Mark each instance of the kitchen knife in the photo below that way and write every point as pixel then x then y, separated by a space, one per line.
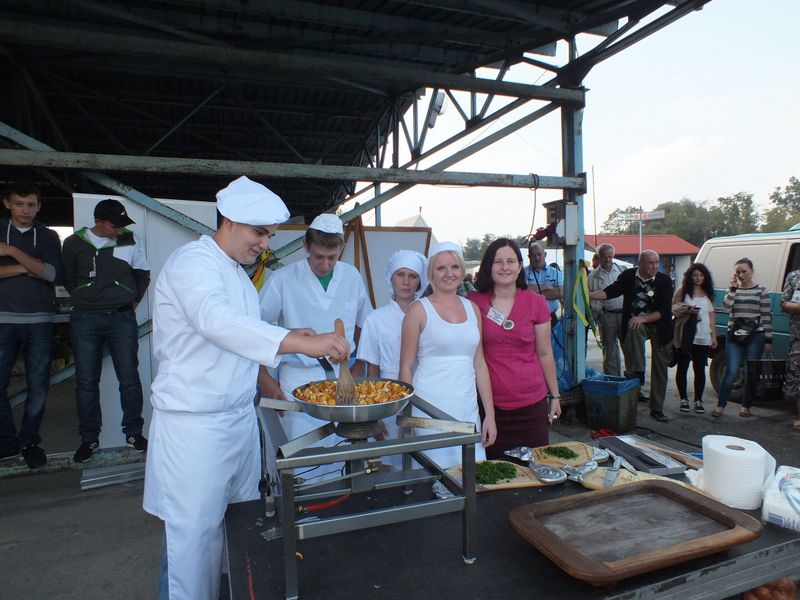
pixel 611 474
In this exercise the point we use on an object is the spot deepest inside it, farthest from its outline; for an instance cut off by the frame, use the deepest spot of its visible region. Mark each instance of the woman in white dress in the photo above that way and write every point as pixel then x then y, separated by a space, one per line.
pixel 442 334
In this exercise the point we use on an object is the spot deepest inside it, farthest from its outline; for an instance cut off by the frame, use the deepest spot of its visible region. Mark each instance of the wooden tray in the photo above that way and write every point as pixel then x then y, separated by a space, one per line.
pixel 596 479
pixel 607 535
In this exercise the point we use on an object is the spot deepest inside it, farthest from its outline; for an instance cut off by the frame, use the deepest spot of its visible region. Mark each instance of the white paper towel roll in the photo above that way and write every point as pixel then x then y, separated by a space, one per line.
pixel 735 470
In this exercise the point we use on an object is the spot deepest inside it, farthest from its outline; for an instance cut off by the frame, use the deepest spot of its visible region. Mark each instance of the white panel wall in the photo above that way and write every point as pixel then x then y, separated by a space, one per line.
pixel 161 237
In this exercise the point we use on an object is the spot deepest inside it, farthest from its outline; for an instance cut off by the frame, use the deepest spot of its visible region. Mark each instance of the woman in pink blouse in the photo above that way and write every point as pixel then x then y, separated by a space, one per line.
pixel 516 344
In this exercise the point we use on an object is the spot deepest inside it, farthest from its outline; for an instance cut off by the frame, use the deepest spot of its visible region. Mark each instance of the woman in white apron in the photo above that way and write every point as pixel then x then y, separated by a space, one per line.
pixel 442 333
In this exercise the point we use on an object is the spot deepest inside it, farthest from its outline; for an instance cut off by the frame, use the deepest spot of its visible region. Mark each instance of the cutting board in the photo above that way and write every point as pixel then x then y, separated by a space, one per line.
pixel 608 535
pixel 594 480
pixel 524 478
pixel 584 452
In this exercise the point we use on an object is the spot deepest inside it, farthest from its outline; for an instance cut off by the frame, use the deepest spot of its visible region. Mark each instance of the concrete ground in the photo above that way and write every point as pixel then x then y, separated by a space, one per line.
pixel 59 543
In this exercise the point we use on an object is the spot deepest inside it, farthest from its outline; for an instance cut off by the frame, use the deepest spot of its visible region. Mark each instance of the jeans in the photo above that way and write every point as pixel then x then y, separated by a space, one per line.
pixel 735 356
pixel 119 331
pixel 36 342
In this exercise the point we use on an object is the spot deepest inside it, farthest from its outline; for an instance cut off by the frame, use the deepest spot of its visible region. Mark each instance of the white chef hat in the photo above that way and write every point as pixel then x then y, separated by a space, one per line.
pixel 245 201
pixel 444 247
pixel 408 259
pixel 328 223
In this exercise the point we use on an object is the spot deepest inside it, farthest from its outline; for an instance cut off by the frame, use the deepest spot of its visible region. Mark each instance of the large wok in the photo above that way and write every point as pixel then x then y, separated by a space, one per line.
pixel 355 413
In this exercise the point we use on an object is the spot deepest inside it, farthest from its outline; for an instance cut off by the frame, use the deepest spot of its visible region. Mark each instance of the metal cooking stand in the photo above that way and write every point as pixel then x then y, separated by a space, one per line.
pixel 281 457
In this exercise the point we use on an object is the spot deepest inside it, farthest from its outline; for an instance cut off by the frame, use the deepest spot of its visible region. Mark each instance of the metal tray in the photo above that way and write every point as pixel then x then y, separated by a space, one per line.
pixel 356 413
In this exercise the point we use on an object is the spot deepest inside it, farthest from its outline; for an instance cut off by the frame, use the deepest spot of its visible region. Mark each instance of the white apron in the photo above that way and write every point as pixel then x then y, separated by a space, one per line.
pixel 445 374
pixel 204 447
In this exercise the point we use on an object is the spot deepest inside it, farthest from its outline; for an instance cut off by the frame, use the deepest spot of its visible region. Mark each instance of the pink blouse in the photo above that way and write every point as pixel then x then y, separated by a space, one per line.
pixel 514 368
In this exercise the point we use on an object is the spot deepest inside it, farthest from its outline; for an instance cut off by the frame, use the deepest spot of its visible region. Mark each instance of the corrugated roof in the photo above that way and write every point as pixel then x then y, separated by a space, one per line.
pixel 628 245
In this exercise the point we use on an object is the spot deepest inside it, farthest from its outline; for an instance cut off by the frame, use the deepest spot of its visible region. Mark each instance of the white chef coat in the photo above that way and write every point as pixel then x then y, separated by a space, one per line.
pixel 379 342
pixel 204 444
pixel 293 297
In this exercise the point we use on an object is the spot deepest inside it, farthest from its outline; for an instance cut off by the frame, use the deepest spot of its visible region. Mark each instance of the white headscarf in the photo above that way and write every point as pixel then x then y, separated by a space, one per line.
pixel 248 202
pixel 408 259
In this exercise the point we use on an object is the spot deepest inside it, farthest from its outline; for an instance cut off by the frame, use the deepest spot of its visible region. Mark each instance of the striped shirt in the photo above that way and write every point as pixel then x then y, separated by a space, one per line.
pixel 751 303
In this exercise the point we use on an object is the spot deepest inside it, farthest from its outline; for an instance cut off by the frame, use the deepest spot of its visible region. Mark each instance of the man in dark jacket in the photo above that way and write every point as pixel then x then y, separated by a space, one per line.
pixel 646 315
pixel 29 263
pixel 106 274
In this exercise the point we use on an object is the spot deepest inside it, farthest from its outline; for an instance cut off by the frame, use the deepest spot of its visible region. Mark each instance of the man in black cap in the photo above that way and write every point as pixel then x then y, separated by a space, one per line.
pixel 106 274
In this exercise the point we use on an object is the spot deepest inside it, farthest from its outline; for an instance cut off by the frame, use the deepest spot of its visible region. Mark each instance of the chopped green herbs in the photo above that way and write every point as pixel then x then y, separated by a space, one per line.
pixel 561 452
pixel 489 473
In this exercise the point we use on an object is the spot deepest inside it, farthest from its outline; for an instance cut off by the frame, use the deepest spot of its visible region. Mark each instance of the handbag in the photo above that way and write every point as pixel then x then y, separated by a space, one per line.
pixel 741 329
pixel 765 378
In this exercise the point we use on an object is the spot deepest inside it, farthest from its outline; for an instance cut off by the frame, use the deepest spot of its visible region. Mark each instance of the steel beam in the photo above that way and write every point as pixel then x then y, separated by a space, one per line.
pixel 201 166
pixel 107 182
pixel 321 66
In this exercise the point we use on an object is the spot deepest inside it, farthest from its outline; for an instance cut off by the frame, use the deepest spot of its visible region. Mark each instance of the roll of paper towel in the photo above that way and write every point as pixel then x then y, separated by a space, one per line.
pixel 735 470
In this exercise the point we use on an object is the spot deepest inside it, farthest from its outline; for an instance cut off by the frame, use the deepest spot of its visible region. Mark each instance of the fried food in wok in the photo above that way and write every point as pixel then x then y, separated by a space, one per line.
pixel 367 392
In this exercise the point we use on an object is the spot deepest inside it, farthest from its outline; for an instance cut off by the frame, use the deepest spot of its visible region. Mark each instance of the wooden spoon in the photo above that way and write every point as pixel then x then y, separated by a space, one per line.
pixel 345 386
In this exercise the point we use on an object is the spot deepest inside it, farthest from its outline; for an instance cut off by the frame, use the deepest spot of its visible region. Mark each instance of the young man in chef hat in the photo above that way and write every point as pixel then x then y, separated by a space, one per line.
pixel 209 341
pixel 312 293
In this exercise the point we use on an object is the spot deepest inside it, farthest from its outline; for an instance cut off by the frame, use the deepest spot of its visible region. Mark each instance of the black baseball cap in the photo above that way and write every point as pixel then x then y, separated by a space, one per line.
pixel 113 211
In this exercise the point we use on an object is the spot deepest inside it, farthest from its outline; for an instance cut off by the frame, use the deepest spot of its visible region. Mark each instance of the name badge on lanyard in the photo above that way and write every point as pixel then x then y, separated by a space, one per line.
pixel 495 316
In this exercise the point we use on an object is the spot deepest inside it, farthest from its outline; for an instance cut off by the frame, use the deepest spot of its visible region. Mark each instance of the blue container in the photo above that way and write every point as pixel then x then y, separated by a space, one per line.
pixel 610 402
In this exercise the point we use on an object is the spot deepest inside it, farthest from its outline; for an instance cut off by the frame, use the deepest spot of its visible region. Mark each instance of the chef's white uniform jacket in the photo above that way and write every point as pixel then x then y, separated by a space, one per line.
pixel 204 453
pixel 293 297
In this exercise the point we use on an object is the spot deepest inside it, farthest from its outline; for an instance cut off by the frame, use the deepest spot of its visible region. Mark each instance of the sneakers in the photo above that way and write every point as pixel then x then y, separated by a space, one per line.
pixel 34 456
pixel 85 450
pixel 138 442
pixel 698 407
pixel 685 406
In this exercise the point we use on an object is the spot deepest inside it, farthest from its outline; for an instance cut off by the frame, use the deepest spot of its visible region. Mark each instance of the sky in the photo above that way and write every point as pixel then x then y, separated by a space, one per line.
pixel 706 107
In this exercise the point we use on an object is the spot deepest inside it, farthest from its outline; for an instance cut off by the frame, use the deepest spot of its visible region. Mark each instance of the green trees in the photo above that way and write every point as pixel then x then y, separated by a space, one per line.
pixel 727 215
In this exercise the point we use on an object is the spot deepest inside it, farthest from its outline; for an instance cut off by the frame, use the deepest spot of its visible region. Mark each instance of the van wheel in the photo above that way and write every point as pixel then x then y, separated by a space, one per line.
pixel 717 372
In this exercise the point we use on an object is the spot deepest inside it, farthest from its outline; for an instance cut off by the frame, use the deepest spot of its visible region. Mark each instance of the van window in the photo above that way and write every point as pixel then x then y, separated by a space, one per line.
pixel 794 260
pixel 765 255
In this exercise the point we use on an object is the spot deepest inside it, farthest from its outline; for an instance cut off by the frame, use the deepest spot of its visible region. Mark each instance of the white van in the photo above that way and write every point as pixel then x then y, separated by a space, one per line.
pixel 773 255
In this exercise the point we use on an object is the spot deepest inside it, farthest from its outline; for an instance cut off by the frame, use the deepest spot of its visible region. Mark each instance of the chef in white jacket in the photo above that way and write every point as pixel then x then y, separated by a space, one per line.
pixel 312 293
pixel 209 340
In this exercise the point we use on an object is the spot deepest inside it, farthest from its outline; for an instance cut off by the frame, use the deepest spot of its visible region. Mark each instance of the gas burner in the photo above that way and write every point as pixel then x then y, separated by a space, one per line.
pixel 358 432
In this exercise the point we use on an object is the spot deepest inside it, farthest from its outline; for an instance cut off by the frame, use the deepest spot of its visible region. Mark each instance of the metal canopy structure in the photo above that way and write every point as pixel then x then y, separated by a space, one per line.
pixel 174 98
pixel 310 96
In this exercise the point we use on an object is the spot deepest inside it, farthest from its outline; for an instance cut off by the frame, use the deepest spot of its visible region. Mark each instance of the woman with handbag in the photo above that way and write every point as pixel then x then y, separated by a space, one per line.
pixel 749 330
pixel 693 305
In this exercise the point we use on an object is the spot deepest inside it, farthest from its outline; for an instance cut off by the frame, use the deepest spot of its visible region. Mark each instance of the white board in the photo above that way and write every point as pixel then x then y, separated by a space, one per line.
pixel 382 242
pixel 161 237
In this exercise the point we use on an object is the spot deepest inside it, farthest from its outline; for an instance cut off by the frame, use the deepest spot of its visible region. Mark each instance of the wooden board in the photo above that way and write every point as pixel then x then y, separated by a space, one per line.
pixel 584 452
pixel 595 479
pixel 607 535
pixel 524 478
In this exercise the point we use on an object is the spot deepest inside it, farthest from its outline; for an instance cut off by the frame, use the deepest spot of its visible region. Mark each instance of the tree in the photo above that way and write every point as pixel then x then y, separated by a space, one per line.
pixel 732 215
pixel 472 249
pixel 686 219
pixel 615 225
pixel 786 209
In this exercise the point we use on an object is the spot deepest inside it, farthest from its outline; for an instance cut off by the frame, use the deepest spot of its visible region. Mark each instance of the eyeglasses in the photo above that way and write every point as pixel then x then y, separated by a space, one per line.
pixel 509 262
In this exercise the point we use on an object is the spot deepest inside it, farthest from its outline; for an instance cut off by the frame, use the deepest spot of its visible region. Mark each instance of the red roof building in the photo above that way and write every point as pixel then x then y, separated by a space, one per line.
pixel 675 252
